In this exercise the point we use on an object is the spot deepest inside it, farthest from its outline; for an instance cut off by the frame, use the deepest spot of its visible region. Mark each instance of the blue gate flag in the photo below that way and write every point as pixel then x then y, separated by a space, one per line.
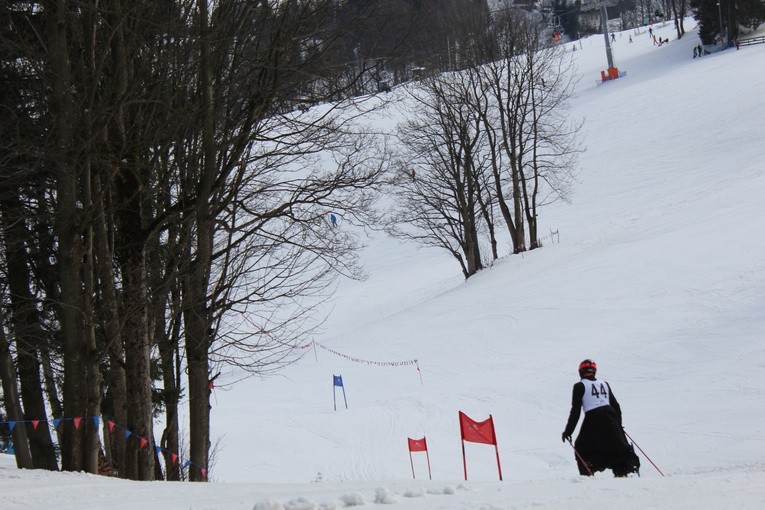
pixel 337 380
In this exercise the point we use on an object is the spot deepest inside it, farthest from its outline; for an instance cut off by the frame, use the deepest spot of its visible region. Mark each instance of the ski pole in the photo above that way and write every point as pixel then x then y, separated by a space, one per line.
pixel 644 454
pixel 581 459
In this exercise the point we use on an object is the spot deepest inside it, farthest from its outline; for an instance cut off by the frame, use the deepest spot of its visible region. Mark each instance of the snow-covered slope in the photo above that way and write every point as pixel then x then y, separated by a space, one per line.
pixel 658 275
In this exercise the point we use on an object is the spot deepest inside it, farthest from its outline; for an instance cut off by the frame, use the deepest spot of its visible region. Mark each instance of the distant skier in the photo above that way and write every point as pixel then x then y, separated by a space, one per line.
pixel 601 442
pixel 613 37
pixel 333 220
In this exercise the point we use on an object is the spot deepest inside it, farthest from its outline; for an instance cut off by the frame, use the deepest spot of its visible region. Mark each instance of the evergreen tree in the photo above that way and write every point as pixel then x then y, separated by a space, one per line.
pixel 749 13
pixel 568 14
pixel 727 18
pixel 707 15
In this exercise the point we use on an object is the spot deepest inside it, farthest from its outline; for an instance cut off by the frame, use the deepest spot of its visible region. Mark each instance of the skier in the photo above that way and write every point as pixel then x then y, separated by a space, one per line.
pixel 333 220
pixel 601 442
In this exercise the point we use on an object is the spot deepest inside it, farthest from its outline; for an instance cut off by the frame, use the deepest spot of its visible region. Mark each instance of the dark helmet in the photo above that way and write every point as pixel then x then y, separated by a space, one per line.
pixel 587 368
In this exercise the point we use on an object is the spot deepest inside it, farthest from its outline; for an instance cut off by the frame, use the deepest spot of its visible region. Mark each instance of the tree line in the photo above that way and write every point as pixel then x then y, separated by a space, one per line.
pixel 160 181
pixel 167 173
pixel 724 20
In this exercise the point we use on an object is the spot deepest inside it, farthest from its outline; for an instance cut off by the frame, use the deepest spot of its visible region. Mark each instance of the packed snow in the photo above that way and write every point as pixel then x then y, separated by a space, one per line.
pixel 657 272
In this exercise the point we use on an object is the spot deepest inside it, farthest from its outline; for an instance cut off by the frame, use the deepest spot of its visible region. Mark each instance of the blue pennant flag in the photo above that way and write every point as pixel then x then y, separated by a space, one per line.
pixel 127 433
pixel 97 421
pixel 338 380
pixel 187 464
pixel 11 424
pixel 56 421
pixel 157 449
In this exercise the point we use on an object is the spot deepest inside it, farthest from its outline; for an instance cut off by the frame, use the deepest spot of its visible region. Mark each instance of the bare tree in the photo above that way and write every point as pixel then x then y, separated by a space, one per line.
pixel 493 134
pixel 437 189
pixel 533 145
pixel 254 195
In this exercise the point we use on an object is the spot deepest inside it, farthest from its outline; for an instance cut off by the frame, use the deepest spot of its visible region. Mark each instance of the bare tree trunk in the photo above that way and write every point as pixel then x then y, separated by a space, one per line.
pixel 68 236
pixel 11 402
pixel 196 313
pixel 131 185
pixel 110 320
pixel 92 358
pixel 51 390
pixel 473 249
pixel 30 338
pixel 530 189
pixel 46 271
pixel 197 342
pixel 139 458
pixel 168 348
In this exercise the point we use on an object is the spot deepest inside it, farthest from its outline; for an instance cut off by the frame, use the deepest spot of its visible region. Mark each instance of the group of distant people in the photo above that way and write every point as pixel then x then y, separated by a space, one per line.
pixel 658 41
pixel 699 50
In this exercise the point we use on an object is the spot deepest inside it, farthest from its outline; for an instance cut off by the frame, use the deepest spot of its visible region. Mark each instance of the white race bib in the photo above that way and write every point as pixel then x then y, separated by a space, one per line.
pixel 595 394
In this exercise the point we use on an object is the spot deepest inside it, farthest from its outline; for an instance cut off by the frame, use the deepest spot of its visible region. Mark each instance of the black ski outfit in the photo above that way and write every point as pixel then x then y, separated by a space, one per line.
pixel 601 441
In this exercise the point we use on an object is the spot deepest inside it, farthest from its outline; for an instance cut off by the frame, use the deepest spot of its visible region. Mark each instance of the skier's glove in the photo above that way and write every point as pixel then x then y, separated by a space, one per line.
pixel 565 437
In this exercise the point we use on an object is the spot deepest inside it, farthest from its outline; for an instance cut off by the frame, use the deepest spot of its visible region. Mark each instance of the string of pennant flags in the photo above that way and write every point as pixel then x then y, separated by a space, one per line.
pixel 313 344
pixel 78 420
pixel 369 362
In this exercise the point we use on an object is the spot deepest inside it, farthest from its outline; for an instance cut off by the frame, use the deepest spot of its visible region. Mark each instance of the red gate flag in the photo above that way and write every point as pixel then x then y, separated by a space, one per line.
pixel 417 445
pixel 477 432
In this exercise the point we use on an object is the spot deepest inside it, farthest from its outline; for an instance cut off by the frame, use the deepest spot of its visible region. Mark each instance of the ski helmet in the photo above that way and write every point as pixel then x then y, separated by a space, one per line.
pixel 587 368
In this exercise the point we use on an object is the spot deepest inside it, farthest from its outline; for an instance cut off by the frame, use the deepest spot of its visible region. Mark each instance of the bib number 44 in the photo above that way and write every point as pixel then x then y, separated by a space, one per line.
pixel 599 392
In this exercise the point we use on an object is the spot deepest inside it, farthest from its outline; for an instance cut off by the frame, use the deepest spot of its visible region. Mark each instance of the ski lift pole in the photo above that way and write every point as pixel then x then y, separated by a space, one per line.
pixel 604 22
pixel 613 72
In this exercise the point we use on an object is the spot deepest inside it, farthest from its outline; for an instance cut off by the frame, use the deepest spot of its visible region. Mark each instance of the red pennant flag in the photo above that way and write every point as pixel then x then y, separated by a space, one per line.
pixel 212 385
pixel 477 432
pixel 35 423
pixel 417 445
pixel 204 473
pixel 144 442
pixel 111 426
pixel 77 422
pixel 174 456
